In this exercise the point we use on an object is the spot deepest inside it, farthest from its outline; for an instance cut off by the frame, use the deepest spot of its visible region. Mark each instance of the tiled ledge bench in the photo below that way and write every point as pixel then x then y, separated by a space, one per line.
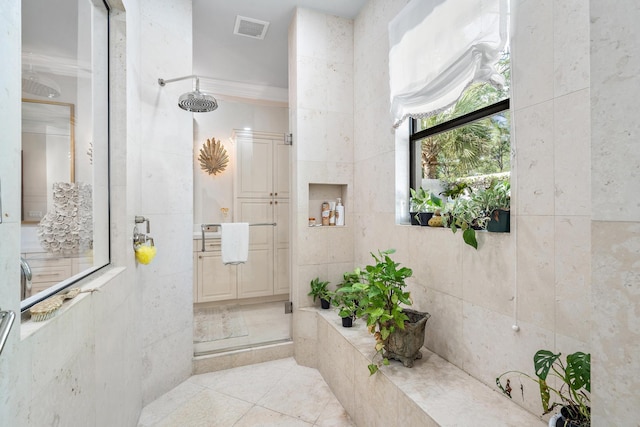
pixel 432 393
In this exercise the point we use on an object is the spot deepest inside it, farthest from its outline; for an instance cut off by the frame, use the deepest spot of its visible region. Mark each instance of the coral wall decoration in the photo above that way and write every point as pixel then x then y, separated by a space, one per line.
pixel 213 157
pixel 67 228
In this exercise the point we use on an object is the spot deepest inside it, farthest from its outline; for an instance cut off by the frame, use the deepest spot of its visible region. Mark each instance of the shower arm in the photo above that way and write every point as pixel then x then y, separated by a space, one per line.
pixel 163 82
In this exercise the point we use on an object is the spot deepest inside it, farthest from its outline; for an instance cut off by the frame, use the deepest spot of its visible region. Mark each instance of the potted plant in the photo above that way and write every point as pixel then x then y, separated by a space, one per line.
pixel 319 289
pixel 464 214
pixel 573 392
pixel 398 331
pixel 495 203
pixel 414 206
pixel 484 209
pixel 423 205
pixel 348 295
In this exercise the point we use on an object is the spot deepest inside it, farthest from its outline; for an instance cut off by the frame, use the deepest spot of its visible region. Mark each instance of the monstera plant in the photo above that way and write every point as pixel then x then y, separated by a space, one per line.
pixel 573 393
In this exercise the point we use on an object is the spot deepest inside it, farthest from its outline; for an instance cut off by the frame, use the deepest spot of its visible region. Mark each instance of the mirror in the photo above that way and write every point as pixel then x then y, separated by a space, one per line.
pixel 47 154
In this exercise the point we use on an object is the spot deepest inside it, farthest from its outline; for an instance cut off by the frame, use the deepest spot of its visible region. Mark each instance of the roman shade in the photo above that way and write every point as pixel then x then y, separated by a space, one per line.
pixel 438 48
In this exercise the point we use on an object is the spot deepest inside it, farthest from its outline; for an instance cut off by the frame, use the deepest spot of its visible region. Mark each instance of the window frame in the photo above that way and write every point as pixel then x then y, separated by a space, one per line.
pixel 465 119
pixel 32 300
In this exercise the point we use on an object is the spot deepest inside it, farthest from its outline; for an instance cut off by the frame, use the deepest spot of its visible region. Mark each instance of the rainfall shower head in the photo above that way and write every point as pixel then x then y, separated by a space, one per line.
pixel 39 85
pixel 195 101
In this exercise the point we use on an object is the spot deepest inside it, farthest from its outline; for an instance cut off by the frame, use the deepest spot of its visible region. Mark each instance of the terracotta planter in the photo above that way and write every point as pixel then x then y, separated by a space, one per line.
pixel 405 344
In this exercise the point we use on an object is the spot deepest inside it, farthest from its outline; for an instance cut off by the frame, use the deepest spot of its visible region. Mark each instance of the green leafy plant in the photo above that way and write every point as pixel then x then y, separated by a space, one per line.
pixel 424 201
pixel 575 384
pixel 382 295
pixel 319 289
pixel 463 215
pixel 474 211
pixel 495 197
pixel 349 293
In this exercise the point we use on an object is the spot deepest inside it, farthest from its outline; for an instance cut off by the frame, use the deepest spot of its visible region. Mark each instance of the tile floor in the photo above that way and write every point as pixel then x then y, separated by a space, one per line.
pixel 265 323
pixel 277 393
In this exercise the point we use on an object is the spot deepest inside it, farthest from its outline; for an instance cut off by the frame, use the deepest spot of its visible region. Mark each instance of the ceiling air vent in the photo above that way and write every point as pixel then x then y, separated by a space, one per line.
pixel 250 27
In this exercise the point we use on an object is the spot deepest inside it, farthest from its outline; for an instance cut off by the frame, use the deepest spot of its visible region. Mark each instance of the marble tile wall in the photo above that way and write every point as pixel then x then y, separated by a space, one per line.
pixel 538 276
pixel 15 364
pixel 322 122
pixel 615 243
pixel 166 195
pixel 99 359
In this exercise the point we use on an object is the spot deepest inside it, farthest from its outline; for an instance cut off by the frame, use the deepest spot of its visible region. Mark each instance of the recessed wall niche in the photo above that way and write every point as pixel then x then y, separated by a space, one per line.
pixel 319 193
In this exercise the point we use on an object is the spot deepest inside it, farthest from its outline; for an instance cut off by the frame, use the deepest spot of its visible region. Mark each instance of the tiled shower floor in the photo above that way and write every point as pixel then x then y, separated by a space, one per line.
pixel 277 393
pixel 262 323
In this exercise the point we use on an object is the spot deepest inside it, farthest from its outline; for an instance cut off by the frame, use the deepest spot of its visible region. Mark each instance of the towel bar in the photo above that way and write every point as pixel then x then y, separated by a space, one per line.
pixel 204 226
pixel 6 322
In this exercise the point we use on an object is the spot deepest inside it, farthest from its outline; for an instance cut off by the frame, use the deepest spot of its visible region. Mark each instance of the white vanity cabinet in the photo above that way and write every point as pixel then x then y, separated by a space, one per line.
pixel 212 280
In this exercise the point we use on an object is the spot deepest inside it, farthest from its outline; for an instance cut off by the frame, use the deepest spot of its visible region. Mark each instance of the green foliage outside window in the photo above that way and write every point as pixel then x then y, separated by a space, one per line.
pixel 477 148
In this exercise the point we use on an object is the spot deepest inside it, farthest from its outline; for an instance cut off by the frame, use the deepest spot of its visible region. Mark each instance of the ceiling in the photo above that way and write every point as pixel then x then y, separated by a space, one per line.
pixel 222 55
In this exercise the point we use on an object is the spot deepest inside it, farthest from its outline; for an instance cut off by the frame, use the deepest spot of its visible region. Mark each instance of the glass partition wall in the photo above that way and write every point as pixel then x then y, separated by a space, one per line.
pixel 64 194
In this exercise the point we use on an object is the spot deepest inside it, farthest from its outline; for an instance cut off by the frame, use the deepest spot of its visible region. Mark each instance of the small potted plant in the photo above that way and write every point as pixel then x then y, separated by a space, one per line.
pixel 573 392
pixel 495 203
pixel 398 331
pixel 465 214
pixel 423 205
pixel 320 290
pixel 418 206
pixel 414 206
pixel 348 295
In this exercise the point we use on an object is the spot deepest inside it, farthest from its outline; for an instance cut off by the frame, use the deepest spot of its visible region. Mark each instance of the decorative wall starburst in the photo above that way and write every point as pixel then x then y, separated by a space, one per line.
pixel 213 157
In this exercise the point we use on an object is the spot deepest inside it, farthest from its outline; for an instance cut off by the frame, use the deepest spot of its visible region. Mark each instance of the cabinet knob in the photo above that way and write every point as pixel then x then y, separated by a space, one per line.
pixel 271 202
pixel 199 256
pixel 271 194
pixel 276 194
pixel 276 202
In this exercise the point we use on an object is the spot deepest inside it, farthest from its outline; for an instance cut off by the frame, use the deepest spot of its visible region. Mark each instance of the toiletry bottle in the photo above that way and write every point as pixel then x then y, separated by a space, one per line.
pixel 339 212
pixel 332 213
pixel 325 213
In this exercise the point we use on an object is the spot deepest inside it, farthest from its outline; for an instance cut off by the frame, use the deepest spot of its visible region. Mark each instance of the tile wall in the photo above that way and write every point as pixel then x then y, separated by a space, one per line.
pixel 615 243
pixel 100 360
pixel 539 276
pixel 322 122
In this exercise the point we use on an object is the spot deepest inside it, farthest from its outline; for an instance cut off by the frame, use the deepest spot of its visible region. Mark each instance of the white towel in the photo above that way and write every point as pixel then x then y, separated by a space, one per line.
pixel 235 242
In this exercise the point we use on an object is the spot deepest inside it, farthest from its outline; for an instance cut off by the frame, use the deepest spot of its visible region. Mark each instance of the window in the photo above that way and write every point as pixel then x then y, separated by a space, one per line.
pixel 65 177
pixel 469 141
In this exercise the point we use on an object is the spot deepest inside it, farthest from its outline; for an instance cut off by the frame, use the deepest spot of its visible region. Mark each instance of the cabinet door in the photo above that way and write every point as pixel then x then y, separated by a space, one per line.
pixel 281 282
pixel 255 277
pixel 281 169
pixel 255 165
pixel 216 281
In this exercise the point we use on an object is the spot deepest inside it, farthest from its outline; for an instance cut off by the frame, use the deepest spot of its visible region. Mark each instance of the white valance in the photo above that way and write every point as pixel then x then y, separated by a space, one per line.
pixel 438 48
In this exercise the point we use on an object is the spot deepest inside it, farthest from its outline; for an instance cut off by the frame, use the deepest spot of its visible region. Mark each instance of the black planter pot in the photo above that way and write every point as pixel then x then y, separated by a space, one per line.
pixel 347 322
pixel 414 220
pixel 324 303
pixel 570 417
pixel 424 217
pixel 500 221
